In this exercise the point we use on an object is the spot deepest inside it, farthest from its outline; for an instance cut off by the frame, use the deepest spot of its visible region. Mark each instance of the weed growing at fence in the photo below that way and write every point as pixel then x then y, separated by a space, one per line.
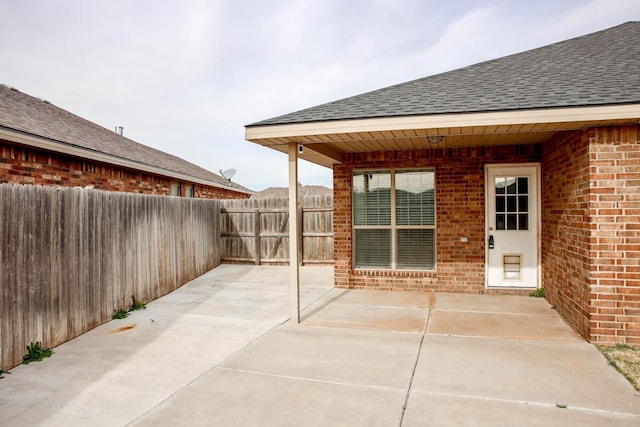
pixel 2 373
pixel 137 305
pixel 35 353
pixel 119 314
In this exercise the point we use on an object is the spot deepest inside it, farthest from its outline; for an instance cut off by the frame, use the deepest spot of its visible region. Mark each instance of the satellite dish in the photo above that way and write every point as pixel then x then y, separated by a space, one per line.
pixel 227 174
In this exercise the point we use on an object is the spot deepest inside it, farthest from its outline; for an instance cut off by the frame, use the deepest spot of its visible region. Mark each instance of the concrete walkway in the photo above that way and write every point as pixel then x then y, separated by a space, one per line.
pixel 217 352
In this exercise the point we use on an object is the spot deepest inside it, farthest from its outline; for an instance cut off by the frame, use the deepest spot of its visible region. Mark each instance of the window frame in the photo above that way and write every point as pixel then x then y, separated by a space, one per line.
pixel 393 226
pixel 189 191
pixel 174 189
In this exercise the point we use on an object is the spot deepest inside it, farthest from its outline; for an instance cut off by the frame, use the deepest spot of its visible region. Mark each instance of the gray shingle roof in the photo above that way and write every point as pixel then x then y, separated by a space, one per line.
pixel 24 113
pixel 601 68
pixel 283 192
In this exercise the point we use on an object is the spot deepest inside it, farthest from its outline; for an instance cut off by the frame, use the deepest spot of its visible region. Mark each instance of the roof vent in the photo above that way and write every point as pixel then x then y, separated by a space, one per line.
pixel 119 130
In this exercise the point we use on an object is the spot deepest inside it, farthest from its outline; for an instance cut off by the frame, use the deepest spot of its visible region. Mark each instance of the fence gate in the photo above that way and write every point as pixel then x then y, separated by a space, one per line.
pixel 257 230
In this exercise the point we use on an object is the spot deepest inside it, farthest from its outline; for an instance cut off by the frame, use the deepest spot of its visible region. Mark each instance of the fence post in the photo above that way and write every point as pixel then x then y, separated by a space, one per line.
pixel 256 227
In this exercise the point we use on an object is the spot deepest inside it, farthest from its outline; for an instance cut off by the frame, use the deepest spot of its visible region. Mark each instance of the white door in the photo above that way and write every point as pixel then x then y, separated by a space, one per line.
pixel 512 228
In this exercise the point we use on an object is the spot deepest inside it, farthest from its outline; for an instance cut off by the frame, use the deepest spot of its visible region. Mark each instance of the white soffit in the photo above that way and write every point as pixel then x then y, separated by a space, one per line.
pixel 555 115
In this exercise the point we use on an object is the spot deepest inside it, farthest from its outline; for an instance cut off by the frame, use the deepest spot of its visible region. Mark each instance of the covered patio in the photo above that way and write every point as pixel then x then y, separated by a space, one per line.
pixel 502 177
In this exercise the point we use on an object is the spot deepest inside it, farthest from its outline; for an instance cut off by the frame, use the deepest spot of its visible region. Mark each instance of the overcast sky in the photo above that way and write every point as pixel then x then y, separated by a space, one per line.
pixel 186 76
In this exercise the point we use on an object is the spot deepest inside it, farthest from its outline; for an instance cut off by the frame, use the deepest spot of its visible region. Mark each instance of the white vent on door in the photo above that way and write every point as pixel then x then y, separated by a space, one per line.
pixel 512 266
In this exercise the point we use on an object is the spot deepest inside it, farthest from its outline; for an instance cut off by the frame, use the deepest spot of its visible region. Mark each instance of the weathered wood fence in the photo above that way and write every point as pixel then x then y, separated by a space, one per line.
pixel 70 257
pixel 257 230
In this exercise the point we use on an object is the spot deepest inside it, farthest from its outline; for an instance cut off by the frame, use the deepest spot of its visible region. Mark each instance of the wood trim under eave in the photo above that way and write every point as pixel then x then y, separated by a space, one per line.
pixel 546 115
pixel 59 147
pixel 326 151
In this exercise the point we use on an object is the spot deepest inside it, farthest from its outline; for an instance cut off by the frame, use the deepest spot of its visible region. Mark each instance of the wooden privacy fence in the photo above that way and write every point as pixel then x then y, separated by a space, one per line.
pixel 70 257
pixel 257 230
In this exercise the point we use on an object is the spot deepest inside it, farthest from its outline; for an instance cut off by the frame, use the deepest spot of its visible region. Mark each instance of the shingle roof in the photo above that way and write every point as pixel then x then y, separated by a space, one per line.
pixel 601 68
pixel 283 192
pixel 24 113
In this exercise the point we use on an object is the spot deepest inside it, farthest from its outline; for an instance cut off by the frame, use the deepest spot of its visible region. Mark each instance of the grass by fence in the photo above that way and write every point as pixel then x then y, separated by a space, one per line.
pixel 257 230
pixel 70 257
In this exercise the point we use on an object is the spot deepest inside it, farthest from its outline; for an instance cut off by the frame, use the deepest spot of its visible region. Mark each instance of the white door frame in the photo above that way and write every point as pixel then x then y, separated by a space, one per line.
pixel 515 167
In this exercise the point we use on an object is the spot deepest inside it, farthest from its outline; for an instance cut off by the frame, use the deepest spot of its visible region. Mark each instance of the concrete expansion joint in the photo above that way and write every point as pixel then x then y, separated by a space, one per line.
pixel 311 380
pixel 506 313
pixel 546 405
pixel 215 367
pixel 415 365
pixel 378 306
pixel 365 329
pixel 493 338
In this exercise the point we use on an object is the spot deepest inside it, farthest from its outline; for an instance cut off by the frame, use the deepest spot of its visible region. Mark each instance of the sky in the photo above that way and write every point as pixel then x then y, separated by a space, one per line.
pixel 186 76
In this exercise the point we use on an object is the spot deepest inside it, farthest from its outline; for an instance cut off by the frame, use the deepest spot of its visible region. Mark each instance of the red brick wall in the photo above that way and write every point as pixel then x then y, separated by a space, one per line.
pixel 591 231
pixel 614 174
pixel 565 227
pixel 460 213
pixel 25 165
pixel 208 192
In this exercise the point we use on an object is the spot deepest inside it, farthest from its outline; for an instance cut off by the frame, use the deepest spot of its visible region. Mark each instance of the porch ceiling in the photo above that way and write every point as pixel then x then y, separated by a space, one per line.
pixel 325 143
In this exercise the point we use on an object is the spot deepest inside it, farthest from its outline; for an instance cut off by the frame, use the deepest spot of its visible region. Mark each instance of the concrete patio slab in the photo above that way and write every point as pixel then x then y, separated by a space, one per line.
pixel 218 352
pixel 372 310
pixel 369 318
pixel 498 316
pixel 493 304
pixel 238 398
pixel 548 327
pixel 540 373
pixel 335 355
pixel 434 409
pixel 118 371
pixel 364 297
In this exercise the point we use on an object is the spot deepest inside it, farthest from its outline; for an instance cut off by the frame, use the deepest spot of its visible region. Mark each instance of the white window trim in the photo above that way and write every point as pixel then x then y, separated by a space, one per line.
pixel 393 227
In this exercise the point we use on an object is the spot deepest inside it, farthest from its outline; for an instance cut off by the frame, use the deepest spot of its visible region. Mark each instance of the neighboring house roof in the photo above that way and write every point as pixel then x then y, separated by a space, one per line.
pixel 597 69
pixel 65 132
pixel 283 192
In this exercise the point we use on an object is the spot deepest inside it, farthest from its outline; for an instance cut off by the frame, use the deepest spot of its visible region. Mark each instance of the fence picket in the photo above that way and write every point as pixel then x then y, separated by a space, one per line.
pixel 70 257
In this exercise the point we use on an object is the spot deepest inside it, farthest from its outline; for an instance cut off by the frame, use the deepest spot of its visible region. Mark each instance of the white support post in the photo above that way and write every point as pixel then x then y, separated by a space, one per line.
pixel 294 269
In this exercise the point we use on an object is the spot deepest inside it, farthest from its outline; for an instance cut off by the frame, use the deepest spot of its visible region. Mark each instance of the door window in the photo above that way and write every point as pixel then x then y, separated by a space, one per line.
pixel 512 202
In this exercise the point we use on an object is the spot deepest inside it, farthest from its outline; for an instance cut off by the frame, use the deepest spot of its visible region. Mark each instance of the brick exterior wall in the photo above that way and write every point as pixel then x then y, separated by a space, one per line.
pixel 591 231
pixel 614 211
pixel 26 165
pixel 590 215
pixel 565 227
pixel 460 210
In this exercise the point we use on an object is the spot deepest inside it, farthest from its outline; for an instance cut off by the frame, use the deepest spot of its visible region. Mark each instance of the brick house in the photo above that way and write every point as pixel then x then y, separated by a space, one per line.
pixel 43 144
pixel 502 177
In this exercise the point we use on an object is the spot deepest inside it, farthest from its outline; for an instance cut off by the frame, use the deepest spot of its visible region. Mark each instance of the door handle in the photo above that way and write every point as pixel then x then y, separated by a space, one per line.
pixel 491 243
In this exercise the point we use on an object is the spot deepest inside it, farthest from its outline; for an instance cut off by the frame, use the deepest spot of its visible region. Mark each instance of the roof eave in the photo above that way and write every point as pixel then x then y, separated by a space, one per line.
pixel 439 121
